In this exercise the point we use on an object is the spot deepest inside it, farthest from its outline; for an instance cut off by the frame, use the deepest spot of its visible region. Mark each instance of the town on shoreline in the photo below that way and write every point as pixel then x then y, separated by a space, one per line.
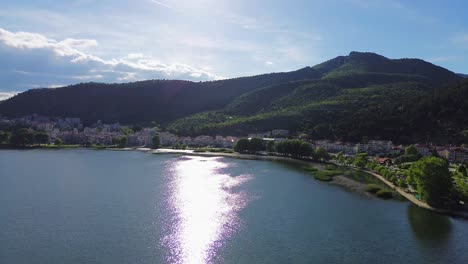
pixel 72 131
pixel 434 177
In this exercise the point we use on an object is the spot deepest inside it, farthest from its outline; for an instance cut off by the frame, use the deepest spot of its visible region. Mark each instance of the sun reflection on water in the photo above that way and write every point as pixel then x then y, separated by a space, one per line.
pixel 204 203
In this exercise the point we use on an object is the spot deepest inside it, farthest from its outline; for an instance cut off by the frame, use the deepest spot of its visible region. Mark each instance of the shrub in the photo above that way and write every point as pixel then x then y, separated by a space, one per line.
pixel 326 175
pixel 310 168
pixel 373 188
pixel 323 177
pixel 384 194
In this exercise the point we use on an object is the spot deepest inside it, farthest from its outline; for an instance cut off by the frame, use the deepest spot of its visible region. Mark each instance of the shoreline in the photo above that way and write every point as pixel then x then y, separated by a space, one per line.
pixel 236 155
pixel 399 190
pixel 410 197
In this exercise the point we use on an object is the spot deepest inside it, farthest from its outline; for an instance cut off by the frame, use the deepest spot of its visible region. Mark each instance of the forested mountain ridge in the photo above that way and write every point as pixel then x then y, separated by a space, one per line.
pixel 371 62
pixel 138 102
pixel 348 97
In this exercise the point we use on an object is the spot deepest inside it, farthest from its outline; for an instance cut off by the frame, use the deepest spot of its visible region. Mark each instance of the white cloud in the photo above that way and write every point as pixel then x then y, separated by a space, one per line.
pixel 269 63
pixel 65 61
pixel 66 48
pixel 443 59
pixel 6 95
pixel 162 4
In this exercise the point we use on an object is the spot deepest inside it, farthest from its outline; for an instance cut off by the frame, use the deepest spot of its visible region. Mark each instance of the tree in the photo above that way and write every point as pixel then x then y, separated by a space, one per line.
pixel 322 154
pixel 41 138
pixel 360 162
pixel 115 141
pixel 305 149
pixel 340 157
pixel 4 136
pixel 22 137
pixel 242 145
pixel 271 146
pixel 253 145
pixel 58 142
pixel 256 144
pixel 431 177
pixel 127 131
pixel 156 142
pixel 411 150
pixel 123 142
pixel 294 147
pixel 462 170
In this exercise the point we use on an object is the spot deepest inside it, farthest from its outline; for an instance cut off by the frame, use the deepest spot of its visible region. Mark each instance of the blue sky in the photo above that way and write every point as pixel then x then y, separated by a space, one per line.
pixel 46 43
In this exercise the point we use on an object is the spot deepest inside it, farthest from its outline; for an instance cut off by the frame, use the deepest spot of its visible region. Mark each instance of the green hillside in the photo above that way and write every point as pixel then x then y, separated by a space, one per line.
pixel 348 97
pixel 362 94
pixel 141 102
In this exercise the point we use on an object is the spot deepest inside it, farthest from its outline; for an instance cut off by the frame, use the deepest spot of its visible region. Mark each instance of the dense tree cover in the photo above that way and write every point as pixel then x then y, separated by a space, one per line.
pixel 161 101
pixel 346 98
pixel 4 136
pixel 321 154
pixel 291 147
pixel 411 150
pixel 245 145
pixel 371 62
pixel 432 180
pixel 127 131
pixel 361 160
pixel 41 138
pixel 407 158
pixel 123 141
pixel 397 177
pixel 462 170
pixel 156 142
pixel 294 148
pixel 270 147
pixel 385 112
pixel 22 137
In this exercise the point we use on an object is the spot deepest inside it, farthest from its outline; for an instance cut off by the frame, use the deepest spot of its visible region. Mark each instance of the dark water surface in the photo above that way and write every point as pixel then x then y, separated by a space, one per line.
pixel 84 206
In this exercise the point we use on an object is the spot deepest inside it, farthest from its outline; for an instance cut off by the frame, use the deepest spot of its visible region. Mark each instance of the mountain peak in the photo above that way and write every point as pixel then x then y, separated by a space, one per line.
pixel 360 54
pixel 369 62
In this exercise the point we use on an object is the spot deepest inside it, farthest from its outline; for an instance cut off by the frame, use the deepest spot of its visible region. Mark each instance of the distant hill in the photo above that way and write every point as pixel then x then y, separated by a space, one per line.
pixel 462 75
pixel 145 101
pixel 348 97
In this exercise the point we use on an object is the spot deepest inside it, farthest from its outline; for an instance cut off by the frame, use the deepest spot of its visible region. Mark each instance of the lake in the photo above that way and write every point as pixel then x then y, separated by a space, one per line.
pixel 88 206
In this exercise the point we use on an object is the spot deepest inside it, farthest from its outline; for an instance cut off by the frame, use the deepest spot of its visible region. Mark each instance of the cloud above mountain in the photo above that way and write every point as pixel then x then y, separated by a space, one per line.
pixel 31 60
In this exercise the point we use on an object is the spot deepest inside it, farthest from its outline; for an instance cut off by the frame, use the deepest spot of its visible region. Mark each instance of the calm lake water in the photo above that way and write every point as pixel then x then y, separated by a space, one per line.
pixel 85 206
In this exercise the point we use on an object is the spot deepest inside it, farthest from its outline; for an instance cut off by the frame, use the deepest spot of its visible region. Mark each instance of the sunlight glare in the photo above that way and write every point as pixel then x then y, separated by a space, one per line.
pixel 205 205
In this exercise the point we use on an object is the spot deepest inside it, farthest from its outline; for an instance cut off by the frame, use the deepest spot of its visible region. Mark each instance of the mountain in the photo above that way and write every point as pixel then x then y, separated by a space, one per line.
pixel 362 94
pixel 348 97
pixel 145 101
pixel 462 75
pixel 364 62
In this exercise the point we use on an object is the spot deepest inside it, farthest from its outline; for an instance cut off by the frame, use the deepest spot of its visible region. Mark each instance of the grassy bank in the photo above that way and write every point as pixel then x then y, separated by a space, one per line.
pixel 213 150
pixel 361 181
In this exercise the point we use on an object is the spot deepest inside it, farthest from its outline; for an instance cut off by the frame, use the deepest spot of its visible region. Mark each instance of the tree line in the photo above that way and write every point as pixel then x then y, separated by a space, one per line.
pixel 429 177
pixel 24 137
pixel 291 147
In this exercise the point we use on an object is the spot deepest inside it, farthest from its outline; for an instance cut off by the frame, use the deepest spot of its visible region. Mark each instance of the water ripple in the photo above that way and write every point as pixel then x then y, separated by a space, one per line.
pixel 204 204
